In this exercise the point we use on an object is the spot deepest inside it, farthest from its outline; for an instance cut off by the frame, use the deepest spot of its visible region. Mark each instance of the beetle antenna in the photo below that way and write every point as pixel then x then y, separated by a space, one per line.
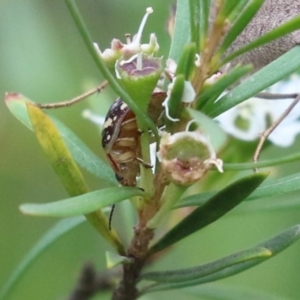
pixel 110 216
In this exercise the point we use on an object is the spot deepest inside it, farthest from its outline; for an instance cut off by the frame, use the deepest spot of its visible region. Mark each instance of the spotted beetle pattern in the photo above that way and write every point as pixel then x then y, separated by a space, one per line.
pixel 120 138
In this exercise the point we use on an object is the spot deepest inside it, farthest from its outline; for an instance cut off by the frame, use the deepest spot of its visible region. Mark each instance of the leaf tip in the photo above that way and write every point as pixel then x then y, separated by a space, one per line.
pixel 113 260
pixel 25 209
pixel 12 97
pixel 297 231
pixel 266 252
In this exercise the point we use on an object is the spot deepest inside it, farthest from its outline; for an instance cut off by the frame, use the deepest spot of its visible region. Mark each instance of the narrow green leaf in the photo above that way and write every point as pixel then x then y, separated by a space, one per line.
pixel 113 82
pixel 225 292
pixel 212 93
pixel 236 12
pixel 262 164
pixel 209 127
pixel 181 35
pixel 16 103
pixel 204 10
pixel 68 172
pixel 209 268
pixel 243 20
pixel 171 195
pixel 210 211
pixel 272 187
pixel 279 202
pixel 279 186
pixel 56 151
pixel 175 99
pixel 275 245
pixel 274 34
pixel 57 231
pixel 195 200
pixel 82 204
pixel 186 62
pixel 194 6
pixel 227 9
pixel 113 260
pixel 270 74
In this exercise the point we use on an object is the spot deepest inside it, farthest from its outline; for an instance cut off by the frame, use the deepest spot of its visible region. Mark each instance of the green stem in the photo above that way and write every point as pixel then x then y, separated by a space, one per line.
pixel 147 176
pixel 261 164
pixel 104 70
pixel 170 197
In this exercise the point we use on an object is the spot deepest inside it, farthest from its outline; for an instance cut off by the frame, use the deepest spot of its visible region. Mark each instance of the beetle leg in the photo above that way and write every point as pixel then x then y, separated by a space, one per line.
pixel 143 163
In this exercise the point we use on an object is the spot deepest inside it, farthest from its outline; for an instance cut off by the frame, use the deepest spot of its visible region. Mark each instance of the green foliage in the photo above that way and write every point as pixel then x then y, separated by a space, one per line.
pixel 272 73
pixel 213 209
pixel 82 204
pixel 240 24
pixel 226 266
pixel 157 194
pixel 16 103
pixel 213 92
pixel 278 32
pixel 186 63
pixel 208 269
pixel 181 30
pixel 101 65
pixel 271 187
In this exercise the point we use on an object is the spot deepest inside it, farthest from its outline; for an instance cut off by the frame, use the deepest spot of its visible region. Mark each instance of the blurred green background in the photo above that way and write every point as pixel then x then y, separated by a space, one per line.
pixel 43 57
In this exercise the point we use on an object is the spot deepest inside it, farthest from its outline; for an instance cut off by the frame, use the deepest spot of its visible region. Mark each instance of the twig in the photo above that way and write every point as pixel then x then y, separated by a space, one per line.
pixel 271 96
pixel 138 250
pixel 89 283
pixel 98 89
pixel 267 132
pixel 127 289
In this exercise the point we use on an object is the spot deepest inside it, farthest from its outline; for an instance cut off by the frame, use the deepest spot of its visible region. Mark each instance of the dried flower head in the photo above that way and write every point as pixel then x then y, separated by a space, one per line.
pixel 186 156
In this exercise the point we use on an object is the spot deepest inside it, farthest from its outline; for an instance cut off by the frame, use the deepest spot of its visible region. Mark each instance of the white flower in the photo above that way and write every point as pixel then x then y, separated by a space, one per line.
pixel 249 119
pixel 188 96
pixel 118 49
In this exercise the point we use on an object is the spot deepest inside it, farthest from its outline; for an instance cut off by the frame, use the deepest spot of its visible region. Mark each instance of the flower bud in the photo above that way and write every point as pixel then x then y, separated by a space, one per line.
pixel 131 48
pixel 111 55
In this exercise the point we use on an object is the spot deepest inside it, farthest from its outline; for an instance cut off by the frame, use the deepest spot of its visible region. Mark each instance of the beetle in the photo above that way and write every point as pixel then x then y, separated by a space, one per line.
pixel 120 137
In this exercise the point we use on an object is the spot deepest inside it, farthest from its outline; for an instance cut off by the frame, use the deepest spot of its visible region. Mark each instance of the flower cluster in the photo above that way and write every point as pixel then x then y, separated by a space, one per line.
pixel 247 120
pixel 132 47
pixel 185 156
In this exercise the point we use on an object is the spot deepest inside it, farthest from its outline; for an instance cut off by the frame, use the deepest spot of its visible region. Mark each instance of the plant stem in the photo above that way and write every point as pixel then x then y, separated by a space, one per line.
pixel 147 176
pixel 138 250
pixel 170 197
pixel 127 289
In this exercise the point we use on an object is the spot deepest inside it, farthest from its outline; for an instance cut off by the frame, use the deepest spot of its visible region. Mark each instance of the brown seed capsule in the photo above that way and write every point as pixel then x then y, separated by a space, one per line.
pixel 186 156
